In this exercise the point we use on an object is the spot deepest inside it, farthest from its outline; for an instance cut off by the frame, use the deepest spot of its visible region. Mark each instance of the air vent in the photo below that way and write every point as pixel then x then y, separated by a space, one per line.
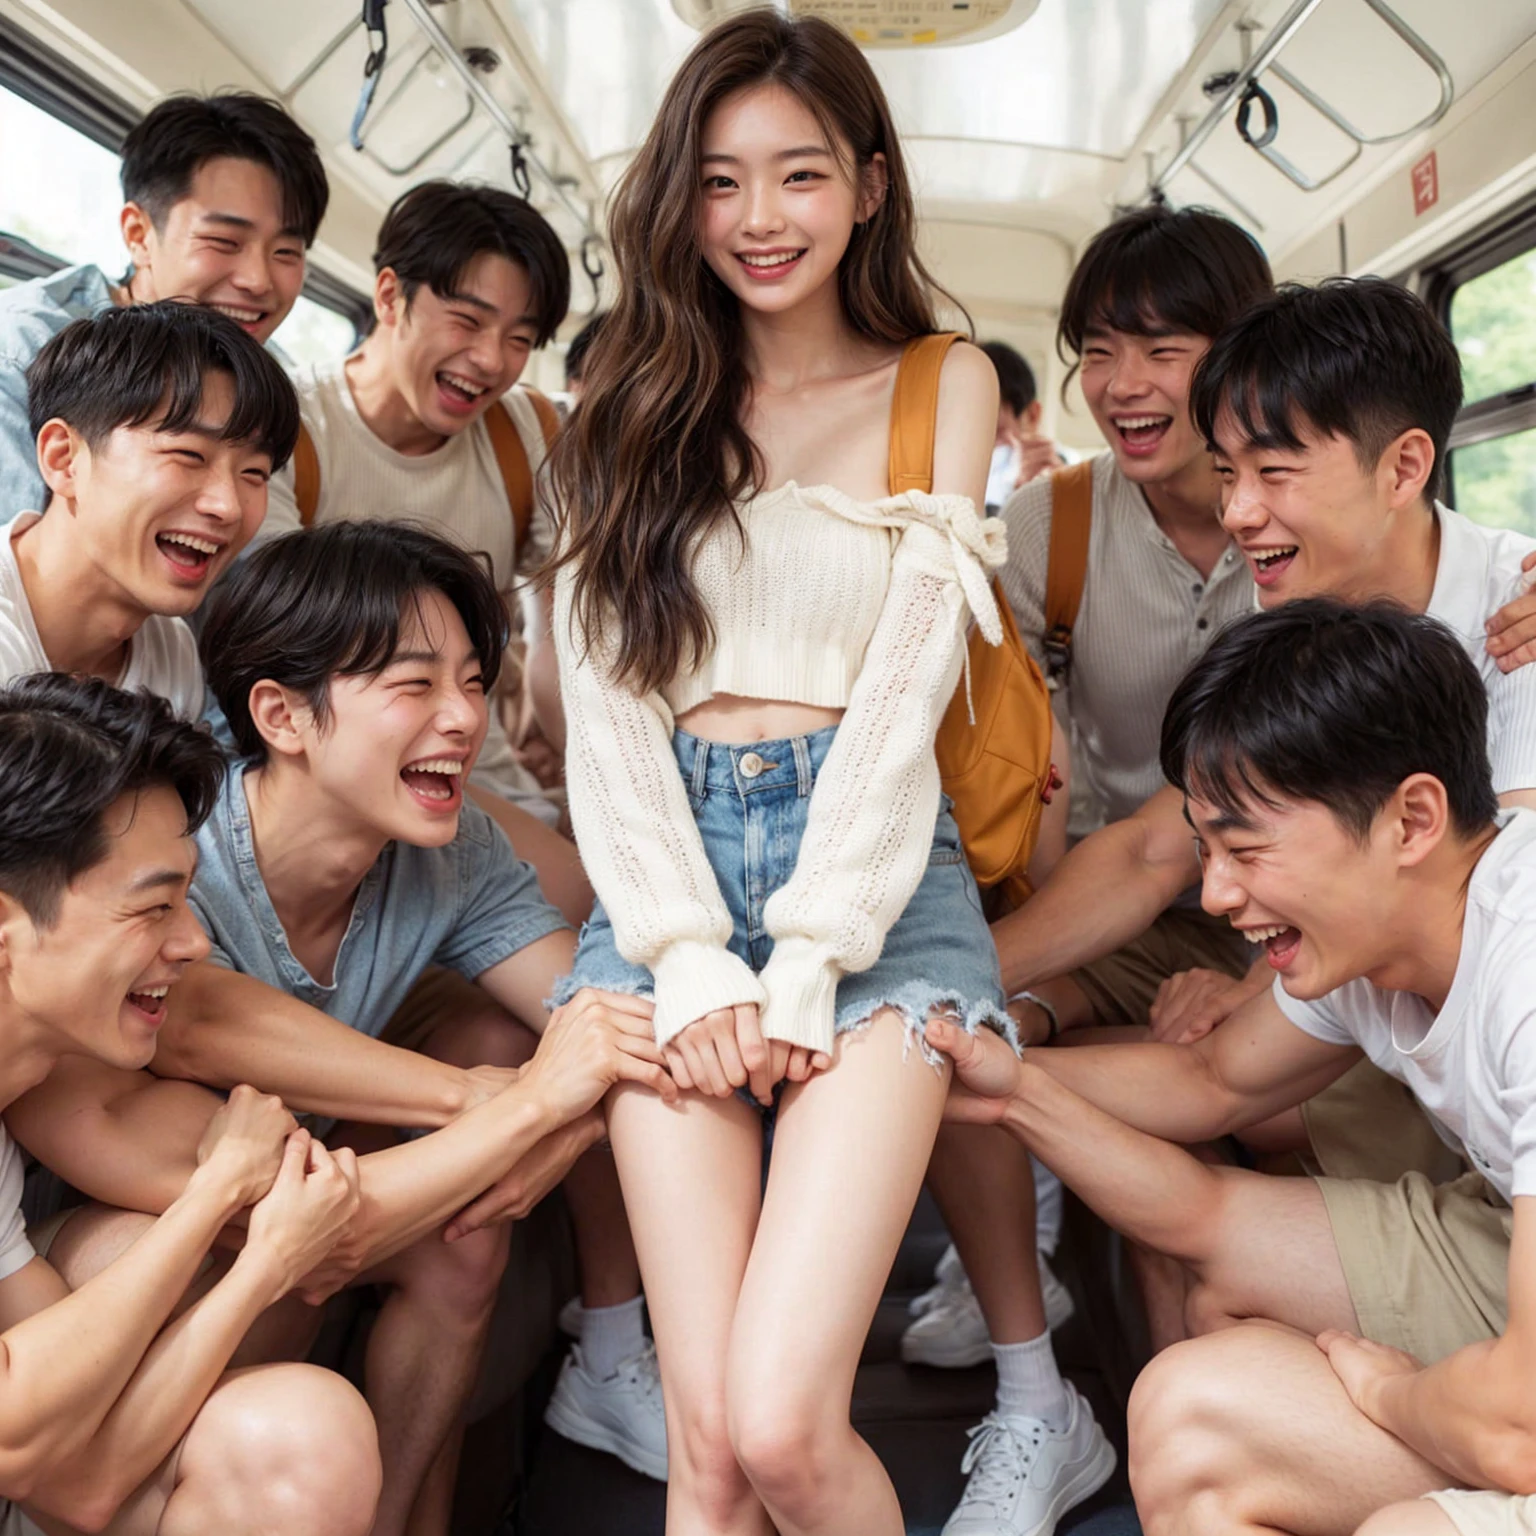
pixel 886 23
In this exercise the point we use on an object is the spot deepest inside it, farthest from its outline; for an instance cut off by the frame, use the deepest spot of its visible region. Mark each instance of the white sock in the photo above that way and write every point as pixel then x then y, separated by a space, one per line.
pixel 1028 1382
pixel 612 1335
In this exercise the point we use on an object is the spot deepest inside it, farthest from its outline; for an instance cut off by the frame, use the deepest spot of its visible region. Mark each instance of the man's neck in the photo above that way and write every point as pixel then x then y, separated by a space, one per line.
pixel 1404 564
pixel 28 1050
pixel 1187 508
pixel 85 621
pixel 384 410
pixel 311 858
pixel 1424 945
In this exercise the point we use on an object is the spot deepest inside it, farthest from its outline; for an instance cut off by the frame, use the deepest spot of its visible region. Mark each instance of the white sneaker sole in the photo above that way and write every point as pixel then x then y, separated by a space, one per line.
pixel 602 1437
pixel 943 1353
pixel 1083 1485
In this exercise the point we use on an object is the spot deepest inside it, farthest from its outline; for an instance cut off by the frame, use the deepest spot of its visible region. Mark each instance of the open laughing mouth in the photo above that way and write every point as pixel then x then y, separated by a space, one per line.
pixel 150 1004
pixel 460 395
pixel 1270 564
pixel 436 782
pixel 246 318
pixel 1141 436
pixel 189 555
pixel 1280 943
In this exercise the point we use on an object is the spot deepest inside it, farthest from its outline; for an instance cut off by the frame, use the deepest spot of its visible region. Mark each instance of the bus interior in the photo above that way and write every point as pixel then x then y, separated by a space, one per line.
pixel 1393 137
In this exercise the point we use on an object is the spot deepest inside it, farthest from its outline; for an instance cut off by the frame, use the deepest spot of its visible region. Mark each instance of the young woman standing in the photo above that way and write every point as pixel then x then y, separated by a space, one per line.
pixel 757 643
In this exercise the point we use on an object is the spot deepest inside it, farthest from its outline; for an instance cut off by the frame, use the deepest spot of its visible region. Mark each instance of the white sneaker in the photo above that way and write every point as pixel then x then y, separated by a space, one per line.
pixel 1024 1477
pixel 620 1414
pixel 952 1333
pixel 947 1273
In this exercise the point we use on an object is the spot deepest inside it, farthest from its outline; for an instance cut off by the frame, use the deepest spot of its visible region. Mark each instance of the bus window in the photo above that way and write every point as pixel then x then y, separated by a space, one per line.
pixel 315 333
pixel 1492 318
pixel 60 189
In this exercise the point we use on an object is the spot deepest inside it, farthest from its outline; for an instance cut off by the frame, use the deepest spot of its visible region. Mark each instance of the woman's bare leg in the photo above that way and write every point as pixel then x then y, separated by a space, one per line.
pixel 849 1154
pixel 691 1175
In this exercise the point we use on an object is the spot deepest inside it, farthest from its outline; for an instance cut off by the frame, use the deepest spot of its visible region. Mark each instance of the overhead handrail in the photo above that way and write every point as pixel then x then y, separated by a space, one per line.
pixel 400 88
pixel 378 53
pixel 518 137
pixel 1242 89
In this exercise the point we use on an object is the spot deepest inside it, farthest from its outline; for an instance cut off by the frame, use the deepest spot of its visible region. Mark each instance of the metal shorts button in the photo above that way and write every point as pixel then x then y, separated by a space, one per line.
pixel 750 764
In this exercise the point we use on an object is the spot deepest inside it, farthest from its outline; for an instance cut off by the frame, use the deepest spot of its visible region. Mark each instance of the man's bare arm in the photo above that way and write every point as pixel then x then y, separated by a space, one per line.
pixel 1104 893
pixel 225 1028
pixel 66 1358
pixel 1472 1413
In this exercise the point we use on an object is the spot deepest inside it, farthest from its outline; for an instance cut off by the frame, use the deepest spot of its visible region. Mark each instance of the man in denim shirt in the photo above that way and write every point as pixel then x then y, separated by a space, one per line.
pixel 352 663
pixel 223 197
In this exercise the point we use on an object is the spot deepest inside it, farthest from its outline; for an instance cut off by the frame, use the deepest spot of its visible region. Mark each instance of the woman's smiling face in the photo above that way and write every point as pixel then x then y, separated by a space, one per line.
pixel 779 200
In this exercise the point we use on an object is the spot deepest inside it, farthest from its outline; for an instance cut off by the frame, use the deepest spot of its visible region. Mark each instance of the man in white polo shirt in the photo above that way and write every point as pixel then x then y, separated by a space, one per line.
pixel 1334 768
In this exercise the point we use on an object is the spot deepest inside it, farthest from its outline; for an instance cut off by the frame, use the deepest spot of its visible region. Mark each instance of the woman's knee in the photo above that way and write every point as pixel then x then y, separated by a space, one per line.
pixel 701 1457
pixel 291 1448
pixel 784 1442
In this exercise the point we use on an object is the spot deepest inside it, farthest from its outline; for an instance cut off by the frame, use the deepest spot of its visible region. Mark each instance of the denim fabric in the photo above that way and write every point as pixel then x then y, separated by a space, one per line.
pixel 468 906
pixel 31 315
pixel 939 952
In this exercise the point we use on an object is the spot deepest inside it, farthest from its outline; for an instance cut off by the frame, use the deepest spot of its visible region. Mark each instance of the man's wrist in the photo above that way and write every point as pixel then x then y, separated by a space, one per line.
pixel 214 1192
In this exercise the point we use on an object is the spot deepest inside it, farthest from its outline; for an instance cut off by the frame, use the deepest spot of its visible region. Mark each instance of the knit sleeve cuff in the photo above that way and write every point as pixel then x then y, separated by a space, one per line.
pixel 694 978
pixel 801 982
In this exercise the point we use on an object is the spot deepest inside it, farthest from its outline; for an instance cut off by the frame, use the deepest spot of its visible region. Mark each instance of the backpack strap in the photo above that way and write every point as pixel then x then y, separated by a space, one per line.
pixel 914 411
pixel 512 457
pixel 306 477
pixel 1067 567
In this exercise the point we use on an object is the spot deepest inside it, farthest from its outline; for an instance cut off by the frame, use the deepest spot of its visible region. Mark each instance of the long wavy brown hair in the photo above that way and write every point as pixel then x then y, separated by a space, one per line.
pixel 656 456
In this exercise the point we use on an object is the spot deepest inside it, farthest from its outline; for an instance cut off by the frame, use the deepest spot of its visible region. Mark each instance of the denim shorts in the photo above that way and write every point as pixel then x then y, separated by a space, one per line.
pixel 750 803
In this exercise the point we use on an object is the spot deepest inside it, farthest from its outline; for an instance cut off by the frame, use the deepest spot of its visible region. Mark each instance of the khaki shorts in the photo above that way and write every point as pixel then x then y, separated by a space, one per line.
pixel 1427 1265
pixel 1122 986
pixel 1478 1512
pixel 1369 1126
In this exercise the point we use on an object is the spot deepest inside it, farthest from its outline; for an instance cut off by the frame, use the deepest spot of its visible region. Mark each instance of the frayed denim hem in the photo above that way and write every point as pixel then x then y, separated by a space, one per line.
pixel 569 985
pixel 916 1002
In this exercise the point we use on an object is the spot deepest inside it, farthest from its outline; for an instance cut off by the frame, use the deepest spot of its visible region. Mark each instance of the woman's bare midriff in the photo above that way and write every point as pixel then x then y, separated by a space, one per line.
pixel 735 721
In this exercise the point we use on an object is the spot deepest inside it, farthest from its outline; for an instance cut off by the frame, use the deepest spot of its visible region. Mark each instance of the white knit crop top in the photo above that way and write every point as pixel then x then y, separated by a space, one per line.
pixel 859 606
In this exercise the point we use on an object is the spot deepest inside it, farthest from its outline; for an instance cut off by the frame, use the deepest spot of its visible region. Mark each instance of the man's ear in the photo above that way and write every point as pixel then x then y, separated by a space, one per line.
pixel 59 451
pixel 280 716
pixel 12 916
pixel 1421 816
pixel 388 297
pixel 1032 414
pixel 138 233
pixel 1407 467
pixel 873 183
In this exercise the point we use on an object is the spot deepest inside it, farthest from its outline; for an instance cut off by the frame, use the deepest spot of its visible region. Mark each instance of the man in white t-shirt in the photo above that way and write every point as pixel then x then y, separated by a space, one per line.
pixel 157 427
pixel 1335 776
pixel 470 281
pixel 112 1416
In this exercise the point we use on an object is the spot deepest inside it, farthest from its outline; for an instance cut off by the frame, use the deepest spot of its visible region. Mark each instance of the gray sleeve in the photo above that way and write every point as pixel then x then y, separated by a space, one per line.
pixel 503 910
pixel 1027 516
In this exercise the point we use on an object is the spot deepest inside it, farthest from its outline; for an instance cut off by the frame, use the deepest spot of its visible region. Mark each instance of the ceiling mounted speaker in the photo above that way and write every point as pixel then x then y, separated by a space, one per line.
pixel 885 23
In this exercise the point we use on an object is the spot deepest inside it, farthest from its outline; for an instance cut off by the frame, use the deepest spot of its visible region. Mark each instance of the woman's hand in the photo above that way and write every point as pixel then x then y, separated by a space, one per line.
pixel 722 1052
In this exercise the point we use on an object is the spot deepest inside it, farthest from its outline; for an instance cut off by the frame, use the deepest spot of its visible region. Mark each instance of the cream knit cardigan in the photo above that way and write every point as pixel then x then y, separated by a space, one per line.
pixel 827 601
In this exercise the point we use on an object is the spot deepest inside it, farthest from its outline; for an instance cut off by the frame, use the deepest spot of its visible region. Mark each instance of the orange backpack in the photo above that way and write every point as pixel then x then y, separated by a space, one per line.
pixel 994 751
pixel 506 444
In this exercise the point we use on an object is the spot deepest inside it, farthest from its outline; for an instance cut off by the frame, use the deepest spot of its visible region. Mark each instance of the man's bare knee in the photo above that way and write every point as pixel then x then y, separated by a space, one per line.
pixel 458 1281
pixel 283 1447
pixel 93 1237
pixel 1184 1458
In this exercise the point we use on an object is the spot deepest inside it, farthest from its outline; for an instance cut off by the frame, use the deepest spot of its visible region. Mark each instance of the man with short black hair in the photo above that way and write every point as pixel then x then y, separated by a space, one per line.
pixel 113 1417
pixel 1020 454
pixel 223 196
pixel 157 428
pixel 1333 768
